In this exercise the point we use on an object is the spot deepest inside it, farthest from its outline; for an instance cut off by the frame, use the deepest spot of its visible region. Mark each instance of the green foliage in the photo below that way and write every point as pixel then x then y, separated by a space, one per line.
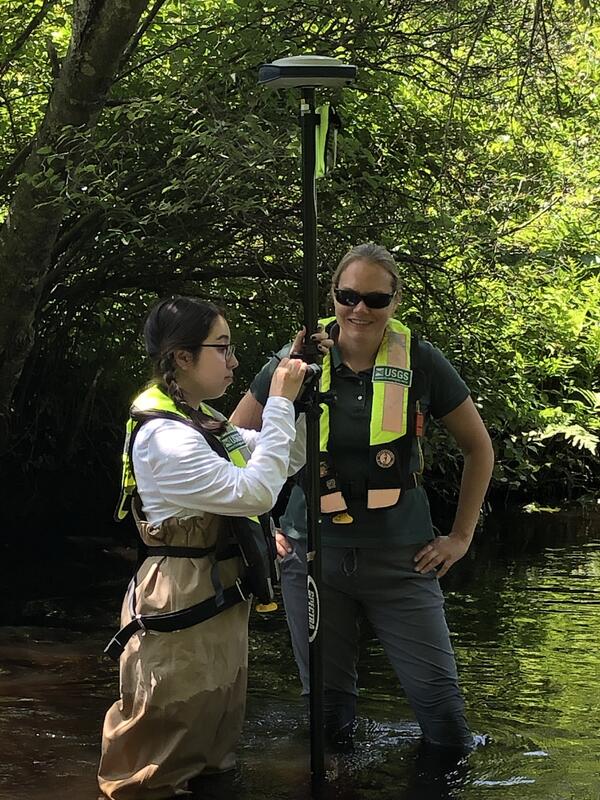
pixel 469 149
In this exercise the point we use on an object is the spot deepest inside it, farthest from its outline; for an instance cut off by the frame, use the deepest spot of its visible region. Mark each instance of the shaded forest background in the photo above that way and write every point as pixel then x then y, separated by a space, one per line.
pixel 138 158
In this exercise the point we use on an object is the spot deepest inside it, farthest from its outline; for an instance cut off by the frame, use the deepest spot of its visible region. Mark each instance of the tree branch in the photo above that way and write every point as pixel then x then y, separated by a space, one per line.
pixel 140 32
pixel 11 169
pixel 536 19
pixel 528 222
pixel 458 84
pixel 20 40
pixel 11 117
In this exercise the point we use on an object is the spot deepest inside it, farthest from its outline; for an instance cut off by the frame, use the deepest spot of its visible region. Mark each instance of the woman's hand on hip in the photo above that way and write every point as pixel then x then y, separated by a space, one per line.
pixel 441 554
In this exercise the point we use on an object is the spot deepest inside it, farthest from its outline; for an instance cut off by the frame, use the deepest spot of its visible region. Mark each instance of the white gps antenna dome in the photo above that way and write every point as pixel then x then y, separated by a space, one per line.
pixel 306 71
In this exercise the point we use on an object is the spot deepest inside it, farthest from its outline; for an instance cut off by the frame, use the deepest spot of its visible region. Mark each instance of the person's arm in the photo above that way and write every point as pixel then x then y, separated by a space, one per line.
pixel 466 426
pixel 189 474
pixel 247 417
pixel 248 413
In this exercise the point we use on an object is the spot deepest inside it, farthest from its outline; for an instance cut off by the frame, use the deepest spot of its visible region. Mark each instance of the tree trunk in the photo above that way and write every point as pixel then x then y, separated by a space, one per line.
pixel 101 32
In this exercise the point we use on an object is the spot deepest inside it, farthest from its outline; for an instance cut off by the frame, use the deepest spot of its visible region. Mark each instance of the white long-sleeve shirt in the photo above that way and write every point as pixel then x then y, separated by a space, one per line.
pixel 178 474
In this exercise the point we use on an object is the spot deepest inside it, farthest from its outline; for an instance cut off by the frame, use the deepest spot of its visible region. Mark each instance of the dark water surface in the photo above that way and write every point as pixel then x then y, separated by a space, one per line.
pixel 524 608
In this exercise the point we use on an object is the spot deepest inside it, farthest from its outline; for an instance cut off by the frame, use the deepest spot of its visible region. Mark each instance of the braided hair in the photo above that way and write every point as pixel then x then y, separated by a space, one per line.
pixel 180 323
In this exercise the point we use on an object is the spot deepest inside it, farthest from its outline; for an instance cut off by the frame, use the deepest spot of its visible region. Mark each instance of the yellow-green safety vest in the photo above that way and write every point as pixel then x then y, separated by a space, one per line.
pixel 390 422
pixel 153 403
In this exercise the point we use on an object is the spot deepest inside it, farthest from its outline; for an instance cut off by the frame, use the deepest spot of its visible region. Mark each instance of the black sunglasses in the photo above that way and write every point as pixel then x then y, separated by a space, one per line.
pixel 348 297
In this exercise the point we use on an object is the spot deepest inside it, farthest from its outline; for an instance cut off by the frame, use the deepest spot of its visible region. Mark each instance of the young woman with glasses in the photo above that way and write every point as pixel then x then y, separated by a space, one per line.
pixel 380 555
pixel 182 691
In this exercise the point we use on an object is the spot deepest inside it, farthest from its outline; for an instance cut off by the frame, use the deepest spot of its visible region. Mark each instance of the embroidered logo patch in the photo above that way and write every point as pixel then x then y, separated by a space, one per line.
pixel 403 377
pixel 232 441
pixel 385 459
pixel 323 469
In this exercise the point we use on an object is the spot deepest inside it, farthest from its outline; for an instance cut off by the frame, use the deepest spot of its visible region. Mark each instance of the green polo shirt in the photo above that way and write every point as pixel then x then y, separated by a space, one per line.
pixel 408 522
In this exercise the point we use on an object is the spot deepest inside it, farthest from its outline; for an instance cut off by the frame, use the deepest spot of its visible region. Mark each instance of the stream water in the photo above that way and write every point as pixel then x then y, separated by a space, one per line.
pixel 524 609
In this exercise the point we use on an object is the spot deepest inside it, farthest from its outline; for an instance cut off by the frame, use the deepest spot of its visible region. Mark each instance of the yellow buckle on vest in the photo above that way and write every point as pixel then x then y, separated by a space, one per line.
pixel 342 519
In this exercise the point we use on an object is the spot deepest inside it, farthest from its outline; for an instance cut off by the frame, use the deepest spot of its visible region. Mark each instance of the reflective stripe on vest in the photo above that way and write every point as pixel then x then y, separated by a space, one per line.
pixel 154 401
pixel 392 378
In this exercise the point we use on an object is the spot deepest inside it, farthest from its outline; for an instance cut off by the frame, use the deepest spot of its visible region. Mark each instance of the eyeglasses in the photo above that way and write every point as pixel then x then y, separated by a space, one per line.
pixel 348 297
pixel 228 350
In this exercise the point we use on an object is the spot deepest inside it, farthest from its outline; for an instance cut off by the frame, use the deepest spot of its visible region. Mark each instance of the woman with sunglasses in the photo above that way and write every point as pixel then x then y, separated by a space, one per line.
pixel 380 555
pixel 186 470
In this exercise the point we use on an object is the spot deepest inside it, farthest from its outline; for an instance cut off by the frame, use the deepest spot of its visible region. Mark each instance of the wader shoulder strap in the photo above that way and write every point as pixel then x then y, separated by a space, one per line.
pixel 177 620
pixel 178 552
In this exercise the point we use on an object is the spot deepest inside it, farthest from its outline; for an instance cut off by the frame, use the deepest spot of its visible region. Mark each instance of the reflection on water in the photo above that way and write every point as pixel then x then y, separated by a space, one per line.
pixel 524 608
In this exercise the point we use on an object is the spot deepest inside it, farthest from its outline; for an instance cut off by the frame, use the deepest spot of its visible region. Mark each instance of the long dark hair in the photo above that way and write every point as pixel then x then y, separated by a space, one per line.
pixel 179 323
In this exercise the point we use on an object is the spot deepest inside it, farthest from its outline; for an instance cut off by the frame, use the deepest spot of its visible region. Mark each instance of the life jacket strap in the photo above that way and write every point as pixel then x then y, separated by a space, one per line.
pixel 177 620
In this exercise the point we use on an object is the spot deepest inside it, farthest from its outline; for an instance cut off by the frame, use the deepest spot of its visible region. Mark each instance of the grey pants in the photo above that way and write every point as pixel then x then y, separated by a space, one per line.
pixel 406 612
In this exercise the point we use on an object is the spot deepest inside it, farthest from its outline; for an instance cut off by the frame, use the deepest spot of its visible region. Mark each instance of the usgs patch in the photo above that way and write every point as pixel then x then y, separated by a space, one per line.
pixel 232 441
pixel 393 375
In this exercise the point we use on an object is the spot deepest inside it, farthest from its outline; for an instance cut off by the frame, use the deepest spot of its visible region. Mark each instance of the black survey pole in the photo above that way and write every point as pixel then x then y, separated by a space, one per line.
pixel 307 73
pixel 308 121
pixel 310 295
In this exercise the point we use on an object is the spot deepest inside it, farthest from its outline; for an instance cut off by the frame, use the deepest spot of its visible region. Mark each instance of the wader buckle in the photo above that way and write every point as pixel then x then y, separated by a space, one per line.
pixel 238 586
pixel 115 647
pixel 140 622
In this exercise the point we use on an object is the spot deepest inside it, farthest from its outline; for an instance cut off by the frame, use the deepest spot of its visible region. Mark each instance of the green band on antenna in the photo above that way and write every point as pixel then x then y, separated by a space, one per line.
pixel 321 140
